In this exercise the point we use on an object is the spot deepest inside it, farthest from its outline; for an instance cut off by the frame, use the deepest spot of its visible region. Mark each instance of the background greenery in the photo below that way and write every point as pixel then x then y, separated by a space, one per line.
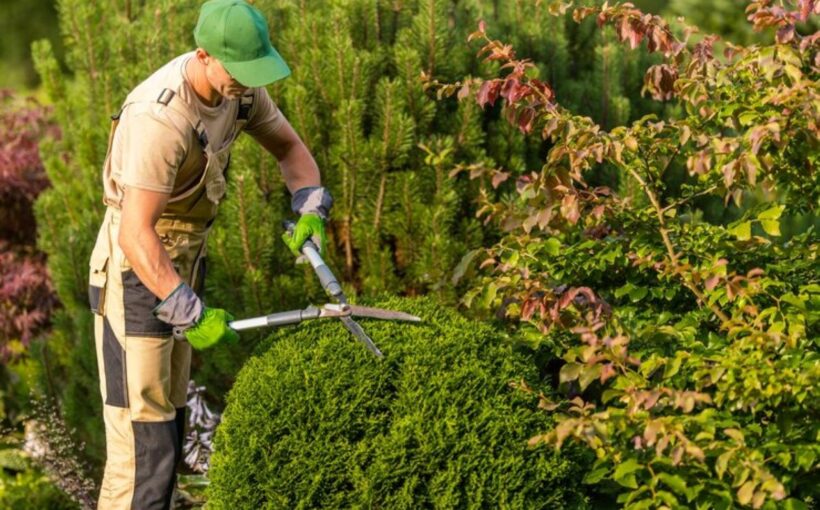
pixel 385 147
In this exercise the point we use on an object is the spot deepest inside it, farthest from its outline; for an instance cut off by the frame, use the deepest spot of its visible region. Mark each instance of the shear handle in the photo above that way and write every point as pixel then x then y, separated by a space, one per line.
pixel 326 277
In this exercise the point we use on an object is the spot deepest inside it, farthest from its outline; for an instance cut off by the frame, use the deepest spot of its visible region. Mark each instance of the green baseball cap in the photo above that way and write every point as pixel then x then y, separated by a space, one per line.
pixel 236 33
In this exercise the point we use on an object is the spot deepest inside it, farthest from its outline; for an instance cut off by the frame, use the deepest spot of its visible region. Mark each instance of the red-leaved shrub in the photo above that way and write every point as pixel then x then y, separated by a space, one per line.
pixel 26 294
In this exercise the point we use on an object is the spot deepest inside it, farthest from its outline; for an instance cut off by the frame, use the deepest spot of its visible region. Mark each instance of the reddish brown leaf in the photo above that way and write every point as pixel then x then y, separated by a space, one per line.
pixel 785 34
pixel 660 81
pixel 650 432
pixel 677 455
pixel 569 208
pixel 663 442
pixel 488 92
pixel 487 262
pixel 806 7
pixel 525 120
pixel 607 372
pixel 699 163
pixel 550 127
pixel 508 90
pixel 729 173
pixel 499 177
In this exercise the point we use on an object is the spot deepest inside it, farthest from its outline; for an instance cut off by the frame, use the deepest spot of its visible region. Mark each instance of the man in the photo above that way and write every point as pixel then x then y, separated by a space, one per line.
pixel 163 179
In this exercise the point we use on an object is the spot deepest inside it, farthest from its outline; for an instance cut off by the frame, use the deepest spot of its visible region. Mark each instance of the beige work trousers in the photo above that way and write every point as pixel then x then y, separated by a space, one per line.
pixel 144 371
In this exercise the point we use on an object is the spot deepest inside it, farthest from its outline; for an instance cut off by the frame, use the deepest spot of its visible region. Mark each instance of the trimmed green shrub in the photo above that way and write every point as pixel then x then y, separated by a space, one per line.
pixel 314 420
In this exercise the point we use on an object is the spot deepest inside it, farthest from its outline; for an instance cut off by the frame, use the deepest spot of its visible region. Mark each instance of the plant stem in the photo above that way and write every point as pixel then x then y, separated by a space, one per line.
pixel 670 249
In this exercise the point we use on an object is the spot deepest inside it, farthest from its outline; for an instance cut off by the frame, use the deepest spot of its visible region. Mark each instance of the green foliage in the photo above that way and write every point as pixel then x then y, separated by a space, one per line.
pixel 314 420
pixel 383 145
pixel 690 347
pixel 22 487
pixel 20 24
pixel 31 490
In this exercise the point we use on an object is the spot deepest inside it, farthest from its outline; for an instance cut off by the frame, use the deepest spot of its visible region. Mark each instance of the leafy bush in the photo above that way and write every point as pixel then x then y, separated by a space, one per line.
pixel 690 346
pixel 22 487
pixel 314 420
pixel 31 490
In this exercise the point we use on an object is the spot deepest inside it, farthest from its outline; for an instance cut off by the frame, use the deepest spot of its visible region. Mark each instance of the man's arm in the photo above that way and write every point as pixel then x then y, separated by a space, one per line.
pixel 299 169
pixel 140 243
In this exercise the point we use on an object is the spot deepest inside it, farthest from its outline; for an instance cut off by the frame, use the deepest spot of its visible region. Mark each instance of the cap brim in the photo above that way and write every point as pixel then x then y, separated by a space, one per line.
pixel 259 72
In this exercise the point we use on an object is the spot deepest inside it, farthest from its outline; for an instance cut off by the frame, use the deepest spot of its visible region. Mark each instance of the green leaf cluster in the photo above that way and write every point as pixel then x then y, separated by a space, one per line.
pixel 689 339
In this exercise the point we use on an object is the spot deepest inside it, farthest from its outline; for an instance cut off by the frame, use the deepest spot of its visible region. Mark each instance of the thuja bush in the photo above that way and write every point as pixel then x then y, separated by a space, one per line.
pixel 315 420
pixel 690 347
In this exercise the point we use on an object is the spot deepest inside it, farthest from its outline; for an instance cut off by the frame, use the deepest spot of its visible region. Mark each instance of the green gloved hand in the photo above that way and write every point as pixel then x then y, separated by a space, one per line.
pixel 212 328
pixel 310 225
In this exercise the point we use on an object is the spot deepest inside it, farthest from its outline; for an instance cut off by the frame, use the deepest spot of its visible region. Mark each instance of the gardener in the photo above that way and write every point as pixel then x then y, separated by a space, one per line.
pixel 163 177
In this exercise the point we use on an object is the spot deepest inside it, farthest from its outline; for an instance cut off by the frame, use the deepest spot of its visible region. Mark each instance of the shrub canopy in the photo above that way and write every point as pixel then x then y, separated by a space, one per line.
pixel 314 420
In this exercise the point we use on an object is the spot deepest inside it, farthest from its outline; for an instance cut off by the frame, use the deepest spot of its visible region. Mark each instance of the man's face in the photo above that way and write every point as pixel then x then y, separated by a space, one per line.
pixel 221 81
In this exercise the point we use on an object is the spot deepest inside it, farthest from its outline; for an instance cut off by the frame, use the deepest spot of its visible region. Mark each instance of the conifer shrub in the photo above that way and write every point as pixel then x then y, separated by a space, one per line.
pixel 314 420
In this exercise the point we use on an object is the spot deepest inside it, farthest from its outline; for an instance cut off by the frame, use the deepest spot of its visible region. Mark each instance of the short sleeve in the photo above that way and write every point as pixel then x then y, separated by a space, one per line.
pixel 152 151
pixel 265 118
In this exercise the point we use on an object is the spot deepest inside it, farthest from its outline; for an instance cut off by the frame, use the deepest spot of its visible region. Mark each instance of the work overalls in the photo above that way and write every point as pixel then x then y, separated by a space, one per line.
pixel 143 370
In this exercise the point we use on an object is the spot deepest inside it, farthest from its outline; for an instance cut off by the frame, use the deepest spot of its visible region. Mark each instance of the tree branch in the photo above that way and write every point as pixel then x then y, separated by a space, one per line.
pixel 670 249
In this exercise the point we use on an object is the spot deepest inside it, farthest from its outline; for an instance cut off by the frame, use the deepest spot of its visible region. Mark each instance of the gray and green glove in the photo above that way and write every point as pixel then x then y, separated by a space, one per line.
pixel 313 204
pixel 311 226
pixel 211 329
pixel 203 327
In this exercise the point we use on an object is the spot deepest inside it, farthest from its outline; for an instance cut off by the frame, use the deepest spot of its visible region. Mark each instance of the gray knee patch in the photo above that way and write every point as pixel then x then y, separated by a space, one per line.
pixel 156 451
pixel 116 393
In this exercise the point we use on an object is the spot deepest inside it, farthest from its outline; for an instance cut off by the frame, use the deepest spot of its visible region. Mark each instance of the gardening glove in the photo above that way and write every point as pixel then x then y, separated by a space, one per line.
pixel 309 226
pixel 211 329
pixel 313 204
pixel 203 327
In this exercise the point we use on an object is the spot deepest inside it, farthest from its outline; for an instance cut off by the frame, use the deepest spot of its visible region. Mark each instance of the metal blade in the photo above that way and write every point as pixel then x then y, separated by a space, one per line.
pixel 360 335
pixel 381 313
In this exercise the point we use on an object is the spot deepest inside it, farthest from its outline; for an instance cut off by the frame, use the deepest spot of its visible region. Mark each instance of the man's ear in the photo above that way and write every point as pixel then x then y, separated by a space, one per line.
pixel 202 56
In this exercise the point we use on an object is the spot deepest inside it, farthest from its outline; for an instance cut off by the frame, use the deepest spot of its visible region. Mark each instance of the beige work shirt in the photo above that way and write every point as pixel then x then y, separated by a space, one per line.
pixel 155 148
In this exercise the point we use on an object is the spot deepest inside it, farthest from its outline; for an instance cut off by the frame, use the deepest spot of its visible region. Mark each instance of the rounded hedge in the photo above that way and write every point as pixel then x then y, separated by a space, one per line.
pixel 315 420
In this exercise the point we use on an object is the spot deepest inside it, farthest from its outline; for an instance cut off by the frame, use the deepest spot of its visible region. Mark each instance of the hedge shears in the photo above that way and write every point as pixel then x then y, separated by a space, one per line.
pixel 342 310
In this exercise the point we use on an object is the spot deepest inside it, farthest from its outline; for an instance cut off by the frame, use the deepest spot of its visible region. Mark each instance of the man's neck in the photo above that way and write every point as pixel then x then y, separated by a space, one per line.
pixel 195 73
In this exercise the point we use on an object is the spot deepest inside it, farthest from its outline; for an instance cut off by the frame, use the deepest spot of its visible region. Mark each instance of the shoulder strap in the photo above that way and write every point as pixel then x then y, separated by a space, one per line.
pixel 243 114
pixel 170 99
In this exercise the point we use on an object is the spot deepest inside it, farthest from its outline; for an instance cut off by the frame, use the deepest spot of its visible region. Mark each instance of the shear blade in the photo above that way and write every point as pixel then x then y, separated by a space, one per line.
pixel 360 335
pixel 381 313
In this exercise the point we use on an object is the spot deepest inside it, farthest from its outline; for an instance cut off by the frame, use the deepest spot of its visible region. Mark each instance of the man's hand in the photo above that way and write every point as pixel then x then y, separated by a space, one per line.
pixel 313 203
pixel 202 327
pixel 309 226
pixel 211 329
